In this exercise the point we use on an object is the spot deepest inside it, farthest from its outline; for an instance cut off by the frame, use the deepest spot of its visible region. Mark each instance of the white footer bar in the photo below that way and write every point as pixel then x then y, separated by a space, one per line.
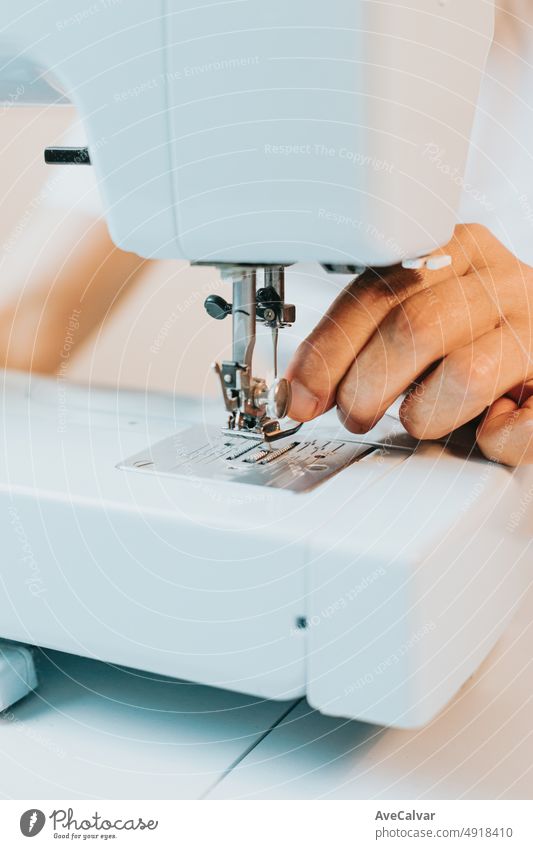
pixel 269 824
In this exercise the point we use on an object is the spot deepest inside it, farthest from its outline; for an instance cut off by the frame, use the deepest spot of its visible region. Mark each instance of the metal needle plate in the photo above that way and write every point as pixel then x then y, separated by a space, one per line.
pixel 292 464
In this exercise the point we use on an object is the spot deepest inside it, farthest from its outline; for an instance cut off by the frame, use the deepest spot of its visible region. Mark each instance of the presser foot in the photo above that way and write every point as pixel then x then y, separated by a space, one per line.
pixel 267 430
pixel 254 409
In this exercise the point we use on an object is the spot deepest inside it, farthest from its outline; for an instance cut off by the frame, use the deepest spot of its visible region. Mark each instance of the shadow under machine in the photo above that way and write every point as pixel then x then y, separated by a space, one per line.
pixel 224 544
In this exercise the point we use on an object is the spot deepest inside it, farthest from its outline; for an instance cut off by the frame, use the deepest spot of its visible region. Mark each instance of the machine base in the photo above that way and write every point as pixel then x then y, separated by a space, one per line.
pixel 376 594
pixel 18 676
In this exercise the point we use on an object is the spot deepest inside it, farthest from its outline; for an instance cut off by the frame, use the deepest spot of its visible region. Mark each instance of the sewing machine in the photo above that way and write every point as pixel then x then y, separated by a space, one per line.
pixel 223 543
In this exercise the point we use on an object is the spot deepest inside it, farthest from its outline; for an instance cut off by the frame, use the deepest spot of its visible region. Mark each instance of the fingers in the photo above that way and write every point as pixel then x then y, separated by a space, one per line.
pixel 413 336
pixel 324 358
pixel 522 392
pixel 467 382
pixel 506 433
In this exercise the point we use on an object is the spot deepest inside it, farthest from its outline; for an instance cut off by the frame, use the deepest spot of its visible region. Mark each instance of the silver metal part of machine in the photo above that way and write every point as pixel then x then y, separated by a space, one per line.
pixel 297 465
pixel 253 407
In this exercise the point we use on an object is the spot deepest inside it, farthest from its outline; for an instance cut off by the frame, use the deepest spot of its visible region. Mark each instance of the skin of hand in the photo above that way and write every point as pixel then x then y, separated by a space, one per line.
pixel 458 340
pixel 64 265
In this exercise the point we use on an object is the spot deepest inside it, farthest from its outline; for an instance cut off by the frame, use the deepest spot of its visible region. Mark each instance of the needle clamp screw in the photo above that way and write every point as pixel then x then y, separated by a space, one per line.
pixel 217 307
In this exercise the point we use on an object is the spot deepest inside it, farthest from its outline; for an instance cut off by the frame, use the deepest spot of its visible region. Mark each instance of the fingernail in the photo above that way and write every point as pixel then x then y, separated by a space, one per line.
pixel 303 403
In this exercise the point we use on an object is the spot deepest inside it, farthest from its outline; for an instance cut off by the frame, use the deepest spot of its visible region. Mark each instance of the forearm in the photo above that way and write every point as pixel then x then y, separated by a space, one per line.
pixel 66 274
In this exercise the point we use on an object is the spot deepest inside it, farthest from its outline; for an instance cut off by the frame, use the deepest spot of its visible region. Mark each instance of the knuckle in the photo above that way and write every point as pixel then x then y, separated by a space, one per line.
pixel 476 237
pixel 481 242
pixel 473 239
pixel 476 231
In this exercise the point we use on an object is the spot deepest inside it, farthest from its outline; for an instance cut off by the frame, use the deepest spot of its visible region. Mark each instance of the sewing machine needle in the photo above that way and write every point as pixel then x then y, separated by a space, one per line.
pixel 275 333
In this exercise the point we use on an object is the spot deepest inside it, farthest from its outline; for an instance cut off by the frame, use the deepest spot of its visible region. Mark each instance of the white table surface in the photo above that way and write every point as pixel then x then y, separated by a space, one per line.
pixel 480 747
pixel 96 731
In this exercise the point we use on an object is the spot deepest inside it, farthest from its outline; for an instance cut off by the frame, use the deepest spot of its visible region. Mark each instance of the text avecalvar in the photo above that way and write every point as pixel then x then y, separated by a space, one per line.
pixel 404 815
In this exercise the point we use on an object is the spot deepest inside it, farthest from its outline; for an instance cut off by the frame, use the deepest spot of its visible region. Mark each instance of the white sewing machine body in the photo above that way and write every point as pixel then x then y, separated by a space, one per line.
pixel 401 567
pixel 258 133
pixel 246 132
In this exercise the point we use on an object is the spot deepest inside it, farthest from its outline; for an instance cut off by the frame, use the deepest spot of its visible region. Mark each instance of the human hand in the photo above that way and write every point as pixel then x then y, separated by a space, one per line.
pixel 464 333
